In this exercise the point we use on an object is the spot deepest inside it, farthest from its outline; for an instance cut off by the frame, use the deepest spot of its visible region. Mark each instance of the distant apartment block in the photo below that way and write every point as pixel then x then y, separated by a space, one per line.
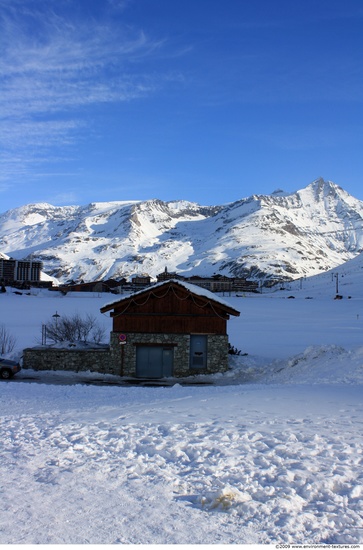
pixel 217 283
pixel 20 271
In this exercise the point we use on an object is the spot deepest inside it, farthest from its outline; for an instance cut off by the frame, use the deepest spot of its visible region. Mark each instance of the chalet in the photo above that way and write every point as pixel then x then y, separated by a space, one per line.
pixel 172 328
pixel 140 281
pixel 167 275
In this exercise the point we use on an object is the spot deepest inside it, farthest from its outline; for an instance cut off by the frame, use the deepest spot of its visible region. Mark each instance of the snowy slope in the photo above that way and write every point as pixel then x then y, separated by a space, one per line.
pixel 268 453
pixel 280 236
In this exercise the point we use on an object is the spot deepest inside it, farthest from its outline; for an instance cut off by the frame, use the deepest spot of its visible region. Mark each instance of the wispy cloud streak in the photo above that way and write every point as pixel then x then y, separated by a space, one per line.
pixel 52 70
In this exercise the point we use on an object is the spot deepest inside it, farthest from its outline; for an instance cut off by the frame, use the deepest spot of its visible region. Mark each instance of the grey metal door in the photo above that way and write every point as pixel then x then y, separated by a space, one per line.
pixel 154 361
pixel 168 361
pixel 198 351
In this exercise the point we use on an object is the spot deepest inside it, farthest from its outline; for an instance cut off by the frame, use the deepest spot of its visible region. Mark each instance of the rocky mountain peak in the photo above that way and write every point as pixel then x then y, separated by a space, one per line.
pixel 282 235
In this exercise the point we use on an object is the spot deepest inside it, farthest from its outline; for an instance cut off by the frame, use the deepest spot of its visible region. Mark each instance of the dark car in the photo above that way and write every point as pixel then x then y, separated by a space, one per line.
pixel 8 368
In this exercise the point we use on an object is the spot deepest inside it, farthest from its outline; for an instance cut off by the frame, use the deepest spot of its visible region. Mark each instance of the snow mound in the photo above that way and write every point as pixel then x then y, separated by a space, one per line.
pixel 322 365
pixel 328 364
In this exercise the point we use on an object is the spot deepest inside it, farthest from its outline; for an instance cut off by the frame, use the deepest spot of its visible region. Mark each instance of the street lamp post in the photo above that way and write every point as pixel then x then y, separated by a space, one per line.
pixel 337 283
pixel 56 316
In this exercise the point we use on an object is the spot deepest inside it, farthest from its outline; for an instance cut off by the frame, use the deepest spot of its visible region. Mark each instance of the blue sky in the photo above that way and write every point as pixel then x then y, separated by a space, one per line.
pixel 204 100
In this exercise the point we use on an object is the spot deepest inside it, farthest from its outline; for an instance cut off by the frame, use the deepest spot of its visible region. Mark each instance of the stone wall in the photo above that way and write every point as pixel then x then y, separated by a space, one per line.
pixel 217 353
pixel 124 355
pixel 120 359
pixel 76 360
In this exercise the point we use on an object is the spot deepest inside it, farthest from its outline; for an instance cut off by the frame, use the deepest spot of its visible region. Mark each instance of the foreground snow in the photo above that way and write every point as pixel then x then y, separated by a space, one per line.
pixel 270 452
pixel 232 464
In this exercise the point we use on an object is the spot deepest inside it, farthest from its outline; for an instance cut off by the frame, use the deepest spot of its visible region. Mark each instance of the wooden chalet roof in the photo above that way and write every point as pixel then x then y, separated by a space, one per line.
pixel 173 284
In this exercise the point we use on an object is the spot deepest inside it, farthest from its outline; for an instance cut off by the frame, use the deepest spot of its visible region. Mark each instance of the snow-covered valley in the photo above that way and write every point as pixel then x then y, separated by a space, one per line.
pixel 269 452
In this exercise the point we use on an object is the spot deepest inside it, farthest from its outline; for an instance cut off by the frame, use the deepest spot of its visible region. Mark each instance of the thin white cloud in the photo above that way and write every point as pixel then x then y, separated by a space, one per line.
pixel 67 66
pixel 32 134
pixel 4 187
pixel 53 69
pixel 62 199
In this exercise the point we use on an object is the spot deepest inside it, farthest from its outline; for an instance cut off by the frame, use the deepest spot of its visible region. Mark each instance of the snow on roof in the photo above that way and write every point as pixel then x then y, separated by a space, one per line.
pixel 194 289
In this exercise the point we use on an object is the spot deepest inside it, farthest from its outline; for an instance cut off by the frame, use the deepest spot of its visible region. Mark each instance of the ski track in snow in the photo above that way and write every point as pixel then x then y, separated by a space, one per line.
pixel 93 475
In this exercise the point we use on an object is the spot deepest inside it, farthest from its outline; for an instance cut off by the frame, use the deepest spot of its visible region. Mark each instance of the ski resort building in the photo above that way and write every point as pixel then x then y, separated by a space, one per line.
pixel 216 283
pixel 170 329
pixel 20 271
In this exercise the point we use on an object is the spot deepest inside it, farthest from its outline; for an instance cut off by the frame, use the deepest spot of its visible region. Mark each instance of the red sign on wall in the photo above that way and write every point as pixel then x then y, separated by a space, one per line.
pixel 122 338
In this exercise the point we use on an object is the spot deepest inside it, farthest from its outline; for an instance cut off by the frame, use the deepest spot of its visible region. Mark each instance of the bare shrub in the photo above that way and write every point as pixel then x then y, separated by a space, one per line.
pixel 75 329
pixel 7 341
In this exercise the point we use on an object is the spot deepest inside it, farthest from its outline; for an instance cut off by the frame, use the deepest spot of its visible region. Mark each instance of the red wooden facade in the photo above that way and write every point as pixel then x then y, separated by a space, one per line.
pixel 171 307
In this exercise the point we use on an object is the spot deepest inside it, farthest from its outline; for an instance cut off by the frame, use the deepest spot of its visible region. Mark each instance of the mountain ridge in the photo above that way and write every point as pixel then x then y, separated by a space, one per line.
pixel 282 235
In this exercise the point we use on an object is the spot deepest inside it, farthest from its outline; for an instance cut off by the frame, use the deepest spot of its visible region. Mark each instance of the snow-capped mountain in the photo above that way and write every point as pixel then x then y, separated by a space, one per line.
pixel 280 235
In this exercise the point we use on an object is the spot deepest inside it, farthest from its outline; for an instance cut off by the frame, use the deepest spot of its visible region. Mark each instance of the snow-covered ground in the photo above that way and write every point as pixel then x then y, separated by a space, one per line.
pixel 270 452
